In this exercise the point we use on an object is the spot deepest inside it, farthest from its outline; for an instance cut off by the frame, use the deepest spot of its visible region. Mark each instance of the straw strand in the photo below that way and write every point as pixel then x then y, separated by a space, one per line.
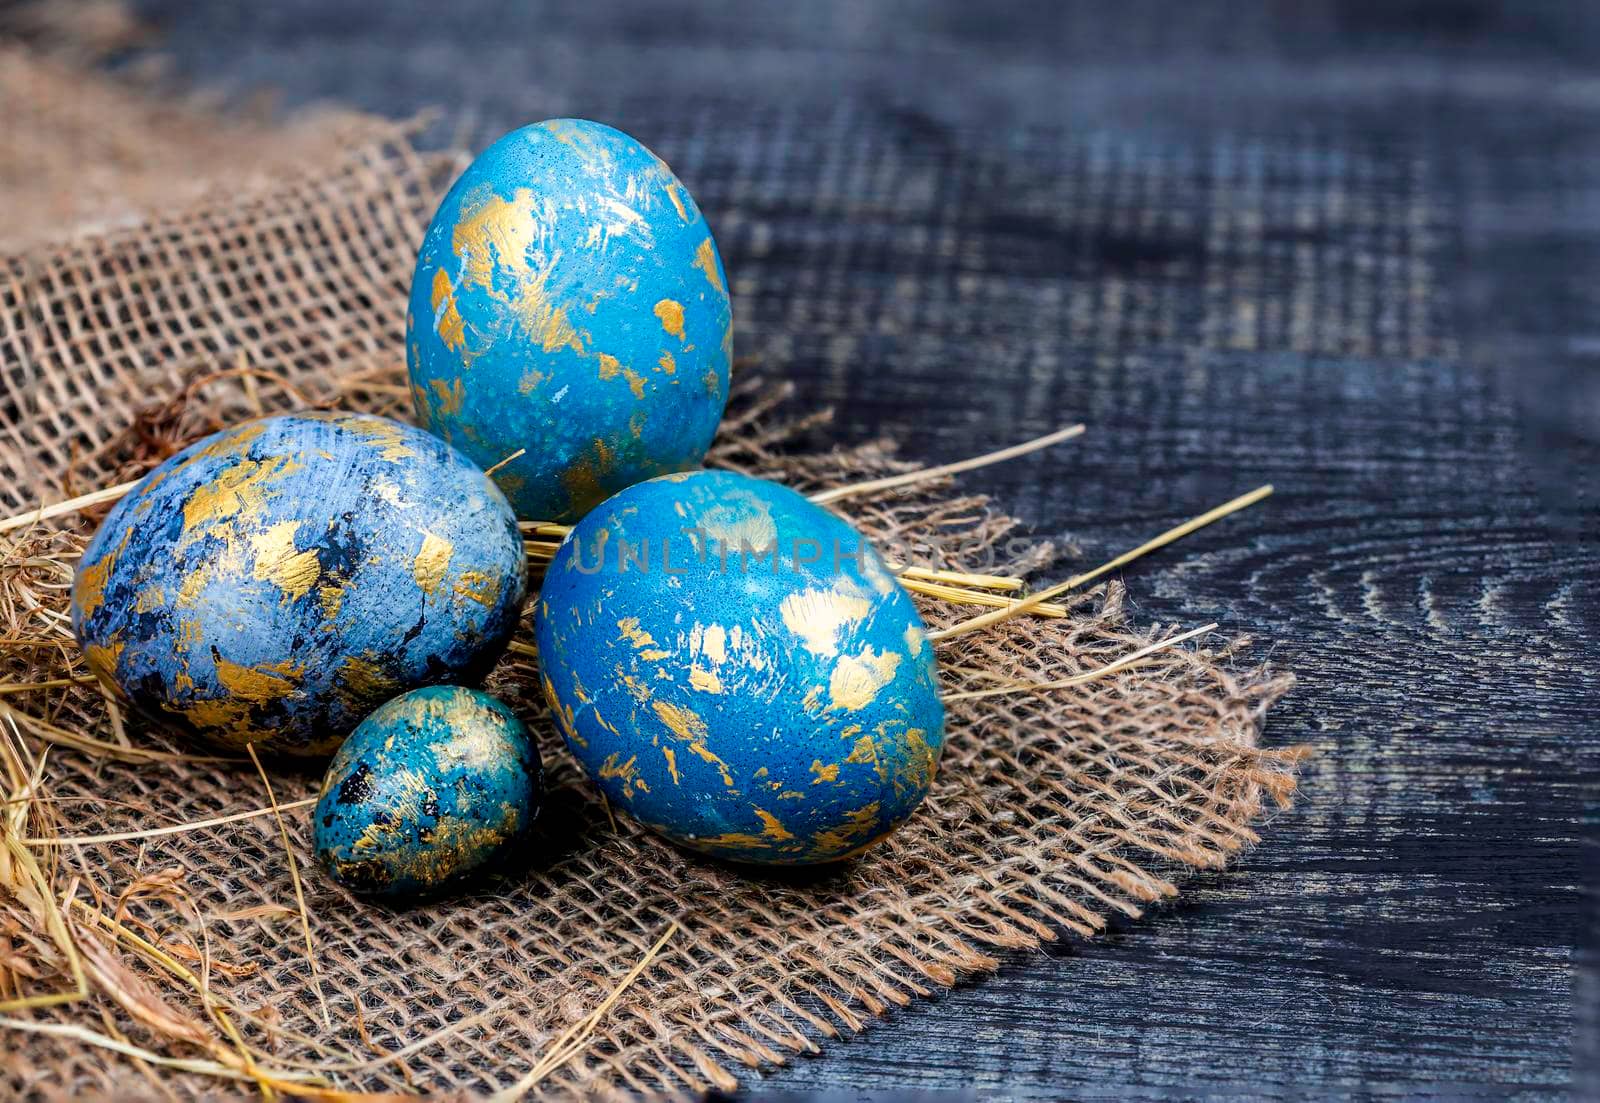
pixel 1033 601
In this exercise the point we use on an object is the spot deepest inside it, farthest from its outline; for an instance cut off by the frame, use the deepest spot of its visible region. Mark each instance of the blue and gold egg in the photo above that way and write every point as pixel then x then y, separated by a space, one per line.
pixel 273 583
pixel 737 668
pixel 568 300
pixel 437 786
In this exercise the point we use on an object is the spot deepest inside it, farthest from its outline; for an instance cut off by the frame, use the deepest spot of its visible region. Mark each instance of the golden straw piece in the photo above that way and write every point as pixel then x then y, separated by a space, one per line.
pixel 94 1038
pixel 962 596
pixel 25 881
pixel 53 733
pixel 71 505
pixel 984 620
pixel 890 482
pixel 572 1040
pixel 546 549
pixel 508 459
pixel 1004 582
pixel 217 1004
pixel 1088 675
pixel 53 683
pixel 174 829
pixel 544 528
pixel 299 891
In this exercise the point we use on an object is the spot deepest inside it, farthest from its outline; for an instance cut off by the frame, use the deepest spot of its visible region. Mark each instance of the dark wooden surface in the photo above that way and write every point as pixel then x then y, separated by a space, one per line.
pixel 1346 248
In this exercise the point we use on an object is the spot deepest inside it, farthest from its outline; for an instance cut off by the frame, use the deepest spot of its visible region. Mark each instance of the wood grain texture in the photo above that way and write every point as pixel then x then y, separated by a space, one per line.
pixel 1347 248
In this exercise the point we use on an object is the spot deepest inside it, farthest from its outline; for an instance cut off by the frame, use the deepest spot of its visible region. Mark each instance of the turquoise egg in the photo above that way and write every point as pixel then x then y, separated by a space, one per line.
pixel 274 582
pixel 737 668
pixel 569 300
pixel 437 785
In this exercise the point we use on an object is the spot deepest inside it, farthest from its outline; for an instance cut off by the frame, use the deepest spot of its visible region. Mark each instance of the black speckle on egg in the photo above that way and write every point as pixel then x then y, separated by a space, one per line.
pixel 356 788
pixel 416 630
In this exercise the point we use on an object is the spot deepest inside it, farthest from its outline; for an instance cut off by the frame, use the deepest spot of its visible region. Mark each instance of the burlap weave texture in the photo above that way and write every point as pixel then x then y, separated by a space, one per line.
pixel 1051 812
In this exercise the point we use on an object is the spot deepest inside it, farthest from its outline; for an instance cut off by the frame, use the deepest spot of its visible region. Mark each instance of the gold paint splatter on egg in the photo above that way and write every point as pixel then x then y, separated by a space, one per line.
pixel 914 637
pixel 363 680
pixel 504 233
pixel 688 725
pixel 240 489
pixel 629 627
pixel 818 617
pixel 149 599
pixel 670 312
pixel 770 825
pixel 613 767
pixel 705 259
pixel 452 328
pixel 714 643
pixel 610 368
pixel 277 562
pixel 705 680
pixel 583 479
pixel 102 660
pixel 479 587
pixel 259 684
pixel 741 521
pixel 855 834
pixel 856 679
pixel 89 590
pixel 677 202
pixel 433 559
pixel 451 395
pixel 388 436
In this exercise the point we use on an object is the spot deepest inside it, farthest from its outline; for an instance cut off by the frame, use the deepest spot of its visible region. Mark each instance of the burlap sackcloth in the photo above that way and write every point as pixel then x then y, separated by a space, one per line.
pixel 1051 812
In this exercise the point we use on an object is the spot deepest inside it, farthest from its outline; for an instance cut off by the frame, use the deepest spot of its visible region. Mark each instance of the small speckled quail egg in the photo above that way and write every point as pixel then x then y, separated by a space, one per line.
pixel 436 786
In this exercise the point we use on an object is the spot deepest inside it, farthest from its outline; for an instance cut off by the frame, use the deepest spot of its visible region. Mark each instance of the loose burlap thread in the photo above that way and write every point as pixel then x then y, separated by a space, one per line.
pixel 1052 812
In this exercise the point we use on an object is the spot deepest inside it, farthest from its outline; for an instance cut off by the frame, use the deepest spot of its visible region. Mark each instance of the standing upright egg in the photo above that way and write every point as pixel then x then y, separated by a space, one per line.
pixel 568 301
pixel 737 668
pixel 274 582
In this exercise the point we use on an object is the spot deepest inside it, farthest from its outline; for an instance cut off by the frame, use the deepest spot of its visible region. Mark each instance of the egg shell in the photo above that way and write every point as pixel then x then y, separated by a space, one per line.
pixel 569 300
pixel 436 786
pixel 274 582
pixel 762 709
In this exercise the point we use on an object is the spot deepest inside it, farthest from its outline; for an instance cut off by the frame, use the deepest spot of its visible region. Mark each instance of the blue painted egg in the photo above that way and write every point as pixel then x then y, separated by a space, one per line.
pixel 737 668
pixel 568 300
pixel 437 785
pixel 274 582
